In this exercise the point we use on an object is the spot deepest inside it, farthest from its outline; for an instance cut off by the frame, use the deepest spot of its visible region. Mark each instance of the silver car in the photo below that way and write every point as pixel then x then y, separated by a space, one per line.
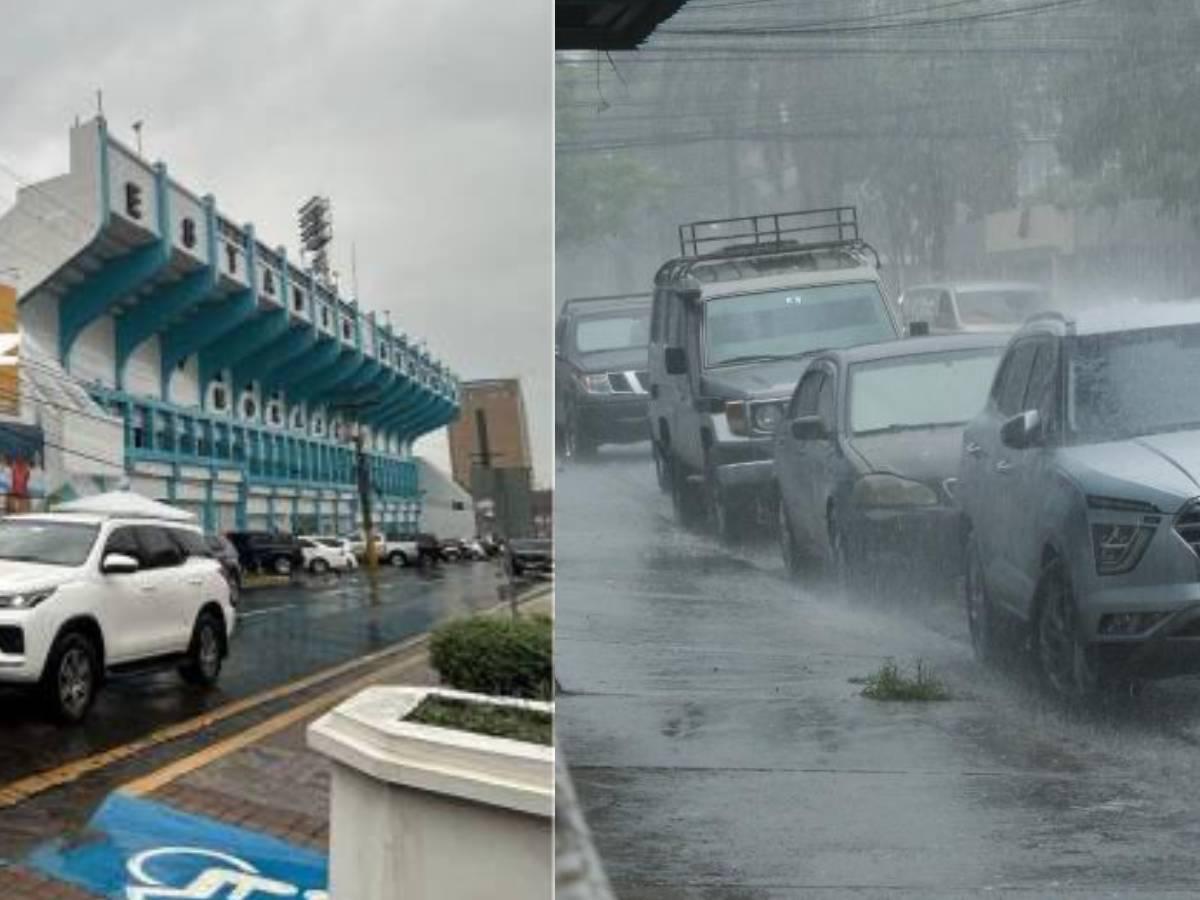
pixel 1080 483
pixel 972 306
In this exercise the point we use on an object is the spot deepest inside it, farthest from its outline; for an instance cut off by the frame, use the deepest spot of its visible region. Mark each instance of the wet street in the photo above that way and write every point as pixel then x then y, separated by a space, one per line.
pixel 711 714
pixel 284 634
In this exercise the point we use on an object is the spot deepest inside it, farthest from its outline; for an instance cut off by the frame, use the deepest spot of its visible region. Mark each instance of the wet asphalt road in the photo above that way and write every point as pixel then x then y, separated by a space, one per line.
pixel 721 749
pixel 283 634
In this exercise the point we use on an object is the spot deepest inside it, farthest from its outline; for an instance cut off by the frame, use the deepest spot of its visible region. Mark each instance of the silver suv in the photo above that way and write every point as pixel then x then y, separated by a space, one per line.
pixel 1081 486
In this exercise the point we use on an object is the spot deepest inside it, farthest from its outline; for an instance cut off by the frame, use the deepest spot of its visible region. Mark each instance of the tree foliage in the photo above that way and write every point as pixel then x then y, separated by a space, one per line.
pixel 1131 118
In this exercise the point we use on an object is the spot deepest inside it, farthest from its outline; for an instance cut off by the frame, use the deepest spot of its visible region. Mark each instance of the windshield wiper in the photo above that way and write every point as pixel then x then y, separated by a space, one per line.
pixel 898 427
pixel 761 357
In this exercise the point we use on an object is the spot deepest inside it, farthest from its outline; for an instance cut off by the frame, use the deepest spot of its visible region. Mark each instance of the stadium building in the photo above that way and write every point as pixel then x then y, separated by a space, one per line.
pixel 166 347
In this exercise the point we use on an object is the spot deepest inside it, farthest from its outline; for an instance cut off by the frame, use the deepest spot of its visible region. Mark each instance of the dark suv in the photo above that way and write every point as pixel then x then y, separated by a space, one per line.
pixel 728 336
pixel 600 372
pixel 1081 486
pixel 266 551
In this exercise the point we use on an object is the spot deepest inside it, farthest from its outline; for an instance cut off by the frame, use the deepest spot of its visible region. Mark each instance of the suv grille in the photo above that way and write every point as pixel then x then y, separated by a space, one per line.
pixel 628 382
pixel 1187 526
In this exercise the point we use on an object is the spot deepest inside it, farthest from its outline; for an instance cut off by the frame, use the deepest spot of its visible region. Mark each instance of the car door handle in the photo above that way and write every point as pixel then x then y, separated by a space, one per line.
pixel 147 589
pixel 654 390
pixel 1003 466
pixel 196 580
pixel 974 449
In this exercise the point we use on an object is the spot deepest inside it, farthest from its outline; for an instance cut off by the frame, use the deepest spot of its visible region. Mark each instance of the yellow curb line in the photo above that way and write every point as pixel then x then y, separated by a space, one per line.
pixel 24 788
pixel 164 776
pixel 173 771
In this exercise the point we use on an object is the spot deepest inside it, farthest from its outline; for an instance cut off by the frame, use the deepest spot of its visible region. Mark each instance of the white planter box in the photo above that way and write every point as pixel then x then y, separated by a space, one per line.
pixel 425 813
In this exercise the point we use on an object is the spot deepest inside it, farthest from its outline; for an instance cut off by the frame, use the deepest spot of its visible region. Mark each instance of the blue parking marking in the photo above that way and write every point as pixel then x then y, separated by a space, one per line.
pixel 137 849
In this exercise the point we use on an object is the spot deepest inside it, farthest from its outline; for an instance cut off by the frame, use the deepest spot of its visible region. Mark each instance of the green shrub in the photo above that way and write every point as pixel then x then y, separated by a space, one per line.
pixel 889 683
pixel 496 655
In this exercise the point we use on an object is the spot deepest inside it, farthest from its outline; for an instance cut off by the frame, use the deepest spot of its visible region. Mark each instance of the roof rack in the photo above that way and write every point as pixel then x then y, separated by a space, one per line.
pixel 771 232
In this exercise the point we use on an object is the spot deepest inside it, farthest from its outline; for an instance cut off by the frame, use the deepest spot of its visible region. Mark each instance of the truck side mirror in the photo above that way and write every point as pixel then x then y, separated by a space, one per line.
pixel 675 361
pixel 809 428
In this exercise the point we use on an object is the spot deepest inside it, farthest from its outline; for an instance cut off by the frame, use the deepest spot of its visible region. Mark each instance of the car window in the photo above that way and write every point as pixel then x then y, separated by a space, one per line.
pixel 827 402
pixel 945 311
pixel 1040 393
pixel 1009 391
pixel 159 551
pixel 47 542
pixel 306 544
pixel 804 401
pixel 124 540
pixel 190 543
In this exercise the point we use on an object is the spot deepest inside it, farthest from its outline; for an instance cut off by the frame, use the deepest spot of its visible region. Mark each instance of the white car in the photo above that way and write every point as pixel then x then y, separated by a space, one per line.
pixel 324 554
pixel 84 595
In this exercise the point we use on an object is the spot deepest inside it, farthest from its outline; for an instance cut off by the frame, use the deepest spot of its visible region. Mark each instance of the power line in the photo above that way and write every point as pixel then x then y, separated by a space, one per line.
pixel 1016 12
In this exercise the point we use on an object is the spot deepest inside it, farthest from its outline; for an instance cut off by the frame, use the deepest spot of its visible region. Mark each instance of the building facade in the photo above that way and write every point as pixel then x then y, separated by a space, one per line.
pixel 491 430
pixel 239 383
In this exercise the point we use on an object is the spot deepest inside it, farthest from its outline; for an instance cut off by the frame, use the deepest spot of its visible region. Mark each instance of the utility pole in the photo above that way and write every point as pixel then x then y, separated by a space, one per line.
pixel 371 557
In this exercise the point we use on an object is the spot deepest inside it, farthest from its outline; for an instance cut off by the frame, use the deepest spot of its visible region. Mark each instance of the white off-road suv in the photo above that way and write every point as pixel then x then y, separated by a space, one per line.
pixel 88 594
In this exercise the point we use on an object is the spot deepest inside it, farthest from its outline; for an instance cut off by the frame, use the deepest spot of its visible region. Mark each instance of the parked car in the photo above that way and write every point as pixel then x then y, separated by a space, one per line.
pixel 325 554
pixel 1080 487
pixel 600 374
pixel 728 337
pixel 417 547
pixel 358 545
pixel 267 551
pixel 86 595
pixel 226 554
pixel 971 306
pixel 867 454
pixel 530 555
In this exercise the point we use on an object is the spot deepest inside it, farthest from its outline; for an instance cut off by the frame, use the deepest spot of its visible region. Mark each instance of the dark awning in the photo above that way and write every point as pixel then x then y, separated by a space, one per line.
pixel 608 24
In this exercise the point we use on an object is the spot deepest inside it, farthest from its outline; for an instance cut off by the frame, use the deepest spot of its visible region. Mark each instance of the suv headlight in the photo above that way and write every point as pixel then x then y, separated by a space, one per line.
pixel 747 419
pixel 765 416
pixel 596 384
pixel 25 599
pixel 892 491
pixel 1118 548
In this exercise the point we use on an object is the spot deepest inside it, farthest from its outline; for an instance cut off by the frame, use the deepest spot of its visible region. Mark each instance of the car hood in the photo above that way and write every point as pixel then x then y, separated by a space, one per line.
pixel 930 455
pixel 769 379
pixel 22 576
pixel 631 360
pixel 1163 469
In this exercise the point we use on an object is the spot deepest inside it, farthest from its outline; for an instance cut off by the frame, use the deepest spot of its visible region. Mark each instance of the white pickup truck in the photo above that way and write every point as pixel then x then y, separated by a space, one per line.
pixel 393 552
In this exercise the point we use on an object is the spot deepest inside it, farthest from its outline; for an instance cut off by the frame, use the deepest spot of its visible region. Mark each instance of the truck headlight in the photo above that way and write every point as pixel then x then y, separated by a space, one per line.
pixel 892 491
pixel 596 384
pixel 24 599
pixel 1119 548
pixel 766 416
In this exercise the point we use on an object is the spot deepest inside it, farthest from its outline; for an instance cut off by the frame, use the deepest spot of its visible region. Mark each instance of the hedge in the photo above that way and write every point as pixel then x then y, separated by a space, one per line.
pixel 496 655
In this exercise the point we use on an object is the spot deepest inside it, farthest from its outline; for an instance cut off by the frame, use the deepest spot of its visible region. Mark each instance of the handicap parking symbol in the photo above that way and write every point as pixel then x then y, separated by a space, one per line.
pixel 137 849
pixel 219 876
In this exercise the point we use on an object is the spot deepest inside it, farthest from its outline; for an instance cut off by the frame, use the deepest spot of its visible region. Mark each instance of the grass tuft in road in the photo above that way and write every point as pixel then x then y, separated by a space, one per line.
pixel 890 683
pixel 527 725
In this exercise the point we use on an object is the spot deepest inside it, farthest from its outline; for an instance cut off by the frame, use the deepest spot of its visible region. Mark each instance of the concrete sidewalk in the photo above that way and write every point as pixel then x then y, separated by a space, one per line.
pixel 264 780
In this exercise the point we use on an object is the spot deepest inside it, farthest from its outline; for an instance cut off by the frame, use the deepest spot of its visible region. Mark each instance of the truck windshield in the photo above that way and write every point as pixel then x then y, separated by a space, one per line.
pixel 627 331
pixel 50 543
pixel 1132 383
pixel 924 390
pixel 791 321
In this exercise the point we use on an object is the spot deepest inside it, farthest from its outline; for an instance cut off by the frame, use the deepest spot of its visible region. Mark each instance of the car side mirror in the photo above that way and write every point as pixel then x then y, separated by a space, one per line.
pixel 809 428
pixel 675 361
pixel 118 564
pixel 1022 430
pixel 918 329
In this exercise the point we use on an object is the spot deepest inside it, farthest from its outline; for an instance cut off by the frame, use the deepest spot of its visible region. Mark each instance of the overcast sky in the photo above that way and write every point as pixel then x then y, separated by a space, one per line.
pixel 427 122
